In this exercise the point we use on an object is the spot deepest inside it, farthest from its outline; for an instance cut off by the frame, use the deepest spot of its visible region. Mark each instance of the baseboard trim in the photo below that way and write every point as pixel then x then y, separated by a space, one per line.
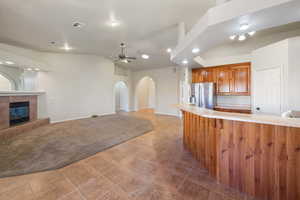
pixel 83 117
pixel 163 113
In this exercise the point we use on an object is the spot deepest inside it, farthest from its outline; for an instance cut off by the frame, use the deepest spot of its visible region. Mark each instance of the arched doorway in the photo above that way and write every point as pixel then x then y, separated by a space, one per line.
pixel 5 84
pixel 121 97
pixel 145 94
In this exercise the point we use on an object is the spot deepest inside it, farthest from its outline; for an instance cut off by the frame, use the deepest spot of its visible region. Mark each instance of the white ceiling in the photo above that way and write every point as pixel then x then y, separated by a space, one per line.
pixel 146 26
pixel 224 20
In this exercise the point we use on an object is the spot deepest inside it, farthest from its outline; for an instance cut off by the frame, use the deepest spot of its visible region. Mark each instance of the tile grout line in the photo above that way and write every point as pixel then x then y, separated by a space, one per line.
pixel 33 193
pixel 76 188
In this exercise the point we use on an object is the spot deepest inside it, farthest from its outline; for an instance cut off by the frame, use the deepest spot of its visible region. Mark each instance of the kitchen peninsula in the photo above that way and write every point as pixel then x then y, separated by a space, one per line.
pixel 256 154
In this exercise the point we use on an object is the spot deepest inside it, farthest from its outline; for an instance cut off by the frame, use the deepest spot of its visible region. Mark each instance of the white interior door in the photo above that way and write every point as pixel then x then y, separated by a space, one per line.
pixel 267 91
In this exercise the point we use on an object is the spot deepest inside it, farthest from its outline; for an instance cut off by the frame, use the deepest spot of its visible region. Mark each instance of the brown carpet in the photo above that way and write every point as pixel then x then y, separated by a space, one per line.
pixel 57 145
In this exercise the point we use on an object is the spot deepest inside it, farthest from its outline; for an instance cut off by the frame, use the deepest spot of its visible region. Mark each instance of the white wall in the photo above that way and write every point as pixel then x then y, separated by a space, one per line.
pixel 14 75
pixel 272 56
pixel 5 84
pixel 22 57
pixel 166 88
pixel 218 2
pixel 238 52
pixel 77 86
pixel 215 61
pixel 294 74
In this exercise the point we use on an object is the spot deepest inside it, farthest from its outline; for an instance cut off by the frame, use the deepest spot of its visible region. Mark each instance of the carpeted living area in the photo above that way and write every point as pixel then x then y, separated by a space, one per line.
pixel 57 145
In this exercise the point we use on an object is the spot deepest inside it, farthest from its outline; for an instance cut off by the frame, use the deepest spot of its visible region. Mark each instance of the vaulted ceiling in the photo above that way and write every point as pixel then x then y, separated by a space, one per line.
pixel 146 26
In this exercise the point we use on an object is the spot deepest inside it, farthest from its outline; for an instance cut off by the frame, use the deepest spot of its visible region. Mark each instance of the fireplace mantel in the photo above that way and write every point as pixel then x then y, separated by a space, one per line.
pixel 20 93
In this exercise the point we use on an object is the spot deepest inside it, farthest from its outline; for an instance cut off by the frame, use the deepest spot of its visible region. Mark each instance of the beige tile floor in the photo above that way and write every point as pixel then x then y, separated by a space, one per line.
pixel 154 166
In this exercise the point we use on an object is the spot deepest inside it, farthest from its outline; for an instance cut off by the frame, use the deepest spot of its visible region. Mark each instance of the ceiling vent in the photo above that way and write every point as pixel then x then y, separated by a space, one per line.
pixel 78 24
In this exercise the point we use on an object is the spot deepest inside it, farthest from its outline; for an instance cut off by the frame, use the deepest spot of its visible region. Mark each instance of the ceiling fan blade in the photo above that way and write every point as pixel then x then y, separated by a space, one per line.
pixel 131 58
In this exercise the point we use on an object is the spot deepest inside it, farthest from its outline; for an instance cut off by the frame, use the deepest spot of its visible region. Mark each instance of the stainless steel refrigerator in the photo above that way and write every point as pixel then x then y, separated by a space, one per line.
pixel 203 95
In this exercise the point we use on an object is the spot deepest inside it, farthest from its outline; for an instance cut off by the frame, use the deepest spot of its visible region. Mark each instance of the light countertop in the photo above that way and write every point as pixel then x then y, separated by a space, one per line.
pixel 255 118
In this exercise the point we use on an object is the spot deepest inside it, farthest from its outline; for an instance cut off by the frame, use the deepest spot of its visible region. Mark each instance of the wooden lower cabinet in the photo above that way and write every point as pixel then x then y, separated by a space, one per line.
pixel 257 159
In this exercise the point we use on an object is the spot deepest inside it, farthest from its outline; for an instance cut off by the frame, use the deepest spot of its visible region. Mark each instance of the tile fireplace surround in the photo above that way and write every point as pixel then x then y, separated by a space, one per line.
pixel 7 131
pixel 4 108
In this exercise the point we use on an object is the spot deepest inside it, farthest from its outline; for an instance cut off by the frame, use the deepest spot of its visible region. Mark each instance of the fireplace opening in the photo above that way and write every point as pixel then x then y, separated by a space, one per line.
pixel 18 113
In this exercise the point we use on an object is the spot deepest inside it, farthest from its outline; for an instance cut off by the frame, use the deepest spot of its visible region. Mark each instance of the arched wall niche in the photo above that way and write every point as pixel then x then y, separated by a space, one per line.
pixel 145 94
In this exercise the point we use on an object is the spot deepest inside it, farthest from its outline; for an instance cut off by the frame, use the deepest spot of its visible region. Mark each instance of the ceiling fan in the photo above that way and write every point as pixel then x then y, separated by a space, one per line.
pixel 122 56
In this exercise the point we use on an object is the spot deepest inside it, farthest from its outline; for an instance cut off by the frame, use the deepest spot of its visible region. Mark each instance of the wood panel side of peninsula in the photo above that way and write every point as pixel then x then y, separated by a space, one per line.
pixel 258 159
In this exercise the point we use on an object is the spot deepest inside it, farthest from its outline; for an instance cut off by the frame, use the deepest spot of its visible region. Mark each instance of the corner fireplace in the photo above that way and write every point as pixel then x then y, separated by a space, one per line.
pixel 18 113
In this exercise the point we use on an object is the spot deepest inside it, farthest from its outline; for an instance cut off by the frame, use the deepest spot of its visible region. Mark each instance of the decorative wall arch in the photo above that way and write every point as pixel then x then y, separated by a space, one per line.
pixel 145 93
pixel 11 84
pixel 121 96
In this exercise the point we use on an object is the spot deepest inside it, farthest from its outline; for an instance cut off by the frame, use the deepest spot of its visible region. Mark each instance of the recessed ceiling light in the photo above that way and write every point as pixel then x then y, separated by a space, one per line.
pixel 242 37
pixel 169 50
pixel 244 27
pixel 78 24
pixel 9 62
pixel 145 56
pixel 66 47
pixel 185 62
pixel 233 37
pixel 37 69
pixel 29 69
pixel 195 50
pixel 114 23
pixel 251 33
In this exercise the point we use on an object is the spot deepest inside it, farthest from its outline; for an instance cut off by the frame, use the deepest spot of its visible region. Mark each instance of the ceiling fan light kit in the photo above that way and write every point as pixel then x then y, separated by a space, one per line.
pixel 122 56
pixel 242 37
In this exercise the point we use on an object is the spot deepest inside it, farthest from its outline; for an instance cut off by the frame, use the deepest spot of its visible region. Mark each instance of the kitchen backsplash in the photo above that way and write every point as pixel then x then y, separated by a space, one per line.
pixel 234 100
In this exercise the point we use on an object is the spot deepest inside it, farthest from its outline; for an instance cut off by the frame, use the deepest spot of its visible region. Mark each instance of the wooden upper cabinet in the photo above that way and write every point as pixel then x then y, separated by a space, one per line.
pixel 231 79
pixel 241 80
pixel 203 75
pixel 224 78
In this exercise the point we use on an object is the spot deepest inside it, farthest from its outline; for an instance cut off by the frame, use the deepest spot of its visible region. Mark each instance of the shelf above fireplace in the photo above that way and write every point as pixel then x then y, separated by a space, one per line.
pixel 21 93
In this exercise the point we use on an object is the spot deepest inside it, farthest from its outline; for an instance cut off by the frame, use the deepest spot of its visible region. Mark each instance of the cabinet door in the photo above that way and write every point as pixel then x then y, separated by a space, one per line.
pixel 206 75
pixel 241 80
pixel 202 75
pixel 223 77
pixel 194 76
pixel 209 75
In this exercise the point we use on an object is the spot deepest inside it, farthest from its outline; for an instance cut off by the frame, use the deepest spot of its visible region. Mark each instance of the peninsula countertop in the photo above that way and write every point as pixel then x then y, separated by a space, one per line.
pixel 255 118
